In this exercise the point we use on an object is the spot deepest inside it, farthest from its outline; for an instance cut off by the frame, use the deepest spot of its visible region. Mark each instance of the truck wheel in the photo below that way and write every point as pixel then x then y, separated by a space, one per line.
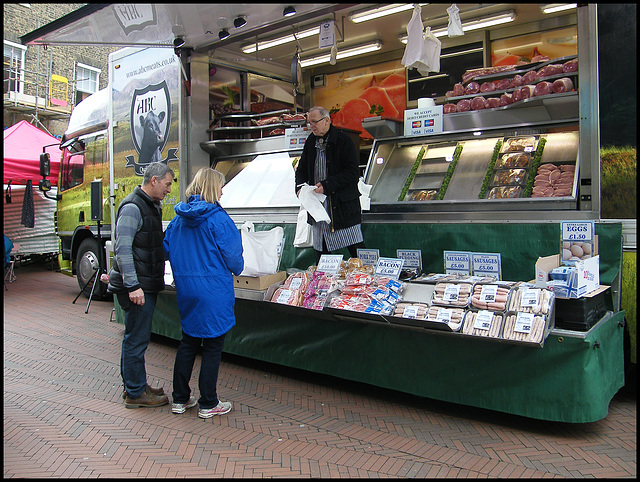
pixel 87 263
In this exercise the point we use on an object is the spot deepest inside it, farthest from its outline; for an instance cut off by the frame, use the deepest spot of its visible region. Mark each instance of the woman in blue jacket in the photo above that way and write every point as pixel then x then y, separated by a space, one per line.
pixel 204 248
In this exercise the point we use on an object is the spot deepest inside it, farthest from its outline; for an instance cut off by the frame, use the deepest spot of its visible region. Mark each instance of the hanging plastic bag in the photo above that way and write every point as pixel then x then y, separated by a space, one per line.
pixel 431 53
pixel 423 48
pixel 304 233
pixel 413 50
pixel 454 28
pixel 261 250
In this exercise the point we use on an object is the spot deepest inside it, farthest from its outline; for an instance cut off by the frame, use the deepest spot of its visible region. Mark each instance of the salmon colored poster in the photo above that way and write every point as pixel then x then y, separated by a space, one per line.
pixel 353 95
pixel 520 50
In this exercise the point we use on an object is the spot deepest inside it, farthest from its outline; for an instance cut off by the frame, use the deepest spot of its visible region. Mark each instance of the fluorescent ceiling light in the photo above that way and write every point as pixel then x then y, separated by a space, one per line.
pixel 364 15
pixel 557 7
pixel 265 44
pixel 342 54
pixel 474 24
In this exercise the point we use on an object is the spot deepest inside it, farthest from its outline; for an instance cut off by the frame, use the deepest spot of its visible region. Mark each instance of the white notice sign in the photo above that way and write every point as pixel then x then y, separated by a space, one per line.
pixel 423 121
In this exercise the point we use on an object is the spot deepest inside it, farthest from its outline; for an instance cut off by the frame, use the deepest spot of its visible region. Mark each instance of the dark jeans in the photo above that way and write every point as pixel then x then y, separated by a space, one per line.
pixel 353 250
pixel 208 378
pixel 137 333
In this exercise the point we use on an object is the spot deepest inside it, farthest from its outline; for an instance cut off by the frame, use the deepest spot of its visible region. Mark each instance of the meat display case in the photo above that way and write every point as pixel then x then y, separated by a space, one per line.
pixel 484 165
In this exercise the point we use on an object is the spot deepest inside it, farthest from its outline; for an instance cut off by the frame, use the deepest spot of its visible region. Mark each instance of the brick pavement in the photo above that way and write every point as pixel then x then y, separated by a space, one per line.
pixel 64 416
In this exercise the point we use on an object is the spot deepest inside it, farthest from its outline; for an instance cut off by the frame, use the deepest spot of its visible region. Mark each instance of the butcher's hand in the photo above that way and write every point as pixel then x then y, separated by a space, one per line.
pixel 319 189
pixel 137 297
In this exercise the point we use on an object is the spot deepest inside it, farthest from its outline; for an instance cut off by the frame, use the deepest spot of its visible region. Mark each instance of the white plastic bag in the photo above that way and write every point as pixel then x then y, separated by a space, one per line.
pixel 413 50
pixel 262 250
pixel 423 48
pixel 312 202
pixel 431 53
pixel 304 233
pixel 454 28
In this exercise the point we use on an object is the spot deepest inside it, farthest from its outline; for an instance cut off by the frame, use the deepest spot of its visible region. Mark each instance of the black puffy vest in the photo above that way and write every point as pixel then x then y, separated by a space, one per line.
pixel 148 252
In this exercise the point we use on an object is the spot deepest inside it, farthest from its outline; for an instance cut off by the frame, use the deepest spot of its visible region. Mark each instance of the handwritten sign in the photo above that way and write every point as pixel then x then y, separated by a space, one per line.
pixel 457 262
pixel 330 263
pixel 412 257
pixel 487 264
pixel 390 267
pixel 369 257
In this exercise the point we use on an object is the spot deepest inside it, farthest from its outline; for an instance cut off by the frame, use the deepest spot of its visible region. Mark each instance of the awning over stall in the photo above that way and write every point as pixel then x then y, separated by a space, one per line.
pixel 23 145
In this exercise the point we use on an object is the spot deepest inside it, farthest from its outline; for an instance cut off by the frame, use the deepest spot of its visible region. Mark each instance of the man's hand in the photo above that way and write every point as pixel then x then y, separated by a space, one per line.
pixel 319 188
pixel 137 297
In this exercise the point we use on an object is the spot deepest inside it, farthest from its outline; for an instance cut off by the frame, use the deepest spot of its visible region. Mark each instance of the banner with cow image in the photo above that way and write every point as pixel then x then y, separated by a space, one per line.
pixel 145 95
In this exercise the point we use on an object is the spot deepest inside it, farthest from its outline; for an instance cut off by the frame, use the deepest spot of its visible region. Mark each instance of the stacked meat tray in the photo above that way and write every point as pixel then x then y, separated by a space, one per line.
pixel 476 307
pixel 497 87
pixel 254 125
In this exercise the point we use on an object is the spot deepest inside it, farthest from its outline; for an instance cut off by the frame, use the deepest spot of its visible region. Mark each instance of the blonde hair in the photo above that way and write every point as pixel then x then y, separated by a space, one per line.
pixel 207 182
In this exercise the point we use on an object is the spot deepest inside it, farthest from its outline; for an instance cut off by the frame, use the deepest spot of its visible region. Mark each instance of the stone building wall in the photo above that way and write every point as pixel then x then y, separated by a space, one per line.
pixel 22 18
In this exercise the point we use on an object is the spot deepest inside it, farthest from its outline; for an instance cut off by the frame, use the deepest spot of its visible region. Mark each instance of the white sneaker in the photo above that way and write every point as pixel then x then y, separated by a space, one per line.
pixel 182 407
pixel 220 409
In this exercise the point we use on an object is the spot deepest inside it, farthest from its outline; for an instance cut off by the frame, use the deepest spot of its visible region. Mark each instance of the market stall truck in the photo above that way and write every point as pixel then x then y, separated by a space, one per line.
pixel 111 138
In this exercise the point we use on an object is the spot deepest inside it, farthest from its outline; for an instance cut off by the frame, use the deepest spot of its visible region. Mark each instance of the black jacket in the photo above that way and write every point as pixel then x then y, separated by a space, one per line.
pixel 341 184
pixel 148 252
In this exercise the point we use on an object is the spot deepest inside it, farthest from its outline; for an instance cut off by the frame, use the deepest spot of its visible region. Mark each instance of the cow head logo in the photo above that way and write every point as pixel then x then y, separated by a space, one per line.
pixel 150 124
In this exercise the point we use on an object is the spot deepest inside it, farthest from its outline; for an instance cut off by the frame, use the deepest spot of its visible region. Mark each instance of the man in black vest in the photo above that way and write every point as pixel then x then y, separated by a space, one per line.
pixel 137 276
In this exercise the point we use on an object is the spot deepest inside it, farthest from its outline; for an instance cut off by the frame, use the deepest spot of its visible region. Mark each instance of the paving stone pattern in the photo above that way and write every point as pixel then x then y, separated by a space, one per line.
pixel 64 416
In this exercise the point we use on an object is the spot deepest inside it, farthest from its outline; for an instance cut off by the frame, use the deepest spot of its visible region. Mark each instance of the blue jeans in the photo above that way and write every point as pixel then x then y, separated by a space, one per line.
pixel 208 378
pixel 137 334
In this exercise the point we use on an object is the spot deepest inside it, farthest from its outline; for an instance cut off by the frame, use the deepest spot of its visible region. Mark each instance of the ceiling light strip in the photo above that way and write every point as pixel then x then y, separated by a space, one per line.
pixel 474 24
pixel 342 54
pixel 365 15
pixel 265 44
pixel 558 7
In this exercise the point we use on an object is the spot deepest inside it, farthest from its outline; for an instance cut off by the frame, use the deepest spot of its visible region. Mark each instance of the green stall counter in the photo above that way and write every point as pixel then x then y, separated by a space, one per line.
pixel 572 378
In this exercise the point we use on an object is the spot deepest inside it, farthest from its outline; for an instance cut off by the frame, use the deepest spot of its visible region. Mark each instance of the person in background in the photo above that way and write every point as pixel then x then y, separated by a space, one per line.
pixel 330 162
pixel 8 246
pixel 136 278
pixel 204 248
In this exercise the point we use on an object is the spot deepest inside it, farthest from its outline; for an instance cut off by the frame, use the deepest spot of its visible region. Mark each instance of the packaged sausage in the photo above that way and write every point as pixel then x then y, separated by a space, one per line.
pixel 452 294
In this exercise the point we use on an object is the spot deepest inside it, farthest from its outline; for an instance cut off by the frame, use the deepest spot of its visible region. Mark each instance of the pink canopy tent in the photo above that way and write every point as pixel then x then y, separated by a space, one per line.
pixel 23 144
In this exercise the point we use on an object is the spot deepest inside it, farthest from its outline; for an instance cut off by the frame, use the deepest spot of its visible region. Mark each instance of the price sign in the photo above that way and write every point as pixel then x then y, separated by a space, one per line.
pixel 330 263
pixel 296 283
pixel 285 295
pixel 444 315
pixel 451 293
pixel 412 257
pixel 390 267
pixel 489 293
pixel 530 297
pixel 524 322
pixel 487 264
pixel 369 257
pixel 457 262
pixel 578 230
pixel 483 320
pixel 410 312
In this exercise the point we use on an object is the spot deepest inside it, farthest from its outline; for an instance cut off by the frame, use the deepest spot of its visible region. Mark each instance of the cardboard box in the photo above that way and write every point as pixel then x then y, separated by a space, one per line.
pixel 585 280
pixel 258 282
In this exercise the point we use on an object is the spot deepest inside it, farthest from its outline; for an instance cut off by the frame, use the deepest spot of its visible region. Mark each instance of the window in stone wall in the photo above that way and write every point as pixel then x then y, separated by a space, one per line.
pixel 87 81
pixel 13 67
